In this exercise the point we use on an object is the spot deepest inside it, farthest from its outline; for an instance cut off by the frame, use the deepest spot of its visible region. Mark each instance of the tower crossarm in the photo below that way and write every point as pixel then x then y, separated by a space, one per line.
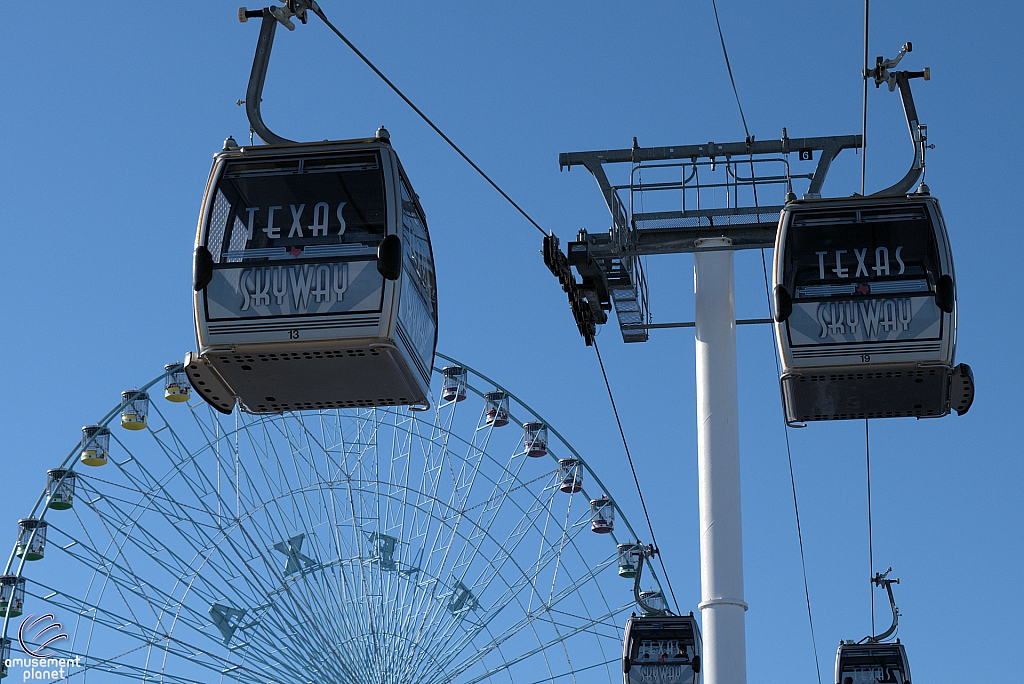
pixel 609 263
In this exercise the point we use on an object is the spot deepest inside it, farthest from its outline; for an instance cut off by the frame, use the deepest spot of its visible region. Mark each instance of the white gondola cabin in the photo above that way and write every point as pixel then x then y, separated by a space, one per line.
pixel 453 387
pixel 629 559
pixel 60 488
pixel 176 387
pixel 95 445
pixel 31 543
pixel 314 280
pixel 5 655
pixel 12 595
pixel 496 408
pixel 535 439
pixel 872 663
pixel 865 310
pixel 135 409
pixel 570 475
pixel 662 648
pixel 602 515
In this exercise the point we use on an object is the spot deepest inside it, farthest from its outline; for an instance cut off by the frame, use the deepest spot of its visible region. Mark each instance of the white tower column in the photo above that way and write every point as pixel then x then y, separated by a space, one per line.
pixel 718 462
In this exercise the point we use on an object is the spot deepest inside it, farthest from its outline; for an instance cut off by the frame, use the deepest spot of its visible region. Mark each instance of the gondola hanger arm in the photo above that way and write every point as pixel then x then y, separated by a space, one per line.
pixel 646 551
pixel 880 579
pixel 918 131
pixel 272 16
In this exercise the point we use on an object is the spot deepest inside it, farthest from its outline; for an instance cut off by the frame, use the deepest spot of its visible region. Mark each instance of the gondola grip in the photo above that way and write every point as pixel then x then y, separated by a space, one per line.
pixel 202 268
pixel 389 257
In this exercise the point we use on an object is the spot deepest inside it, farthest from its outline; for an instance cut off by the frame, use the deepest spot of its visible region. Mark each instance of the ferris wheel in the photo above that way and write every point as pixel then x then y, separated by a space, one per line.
pixel 346 545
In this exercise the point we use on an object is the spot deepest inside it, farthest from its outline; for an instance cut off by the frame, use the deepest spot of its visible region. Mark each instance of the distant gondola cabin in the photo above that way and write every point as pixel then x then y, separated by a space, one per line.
pixel 5 655
pixel 31 543
pixel 872 663
pixel 663 649
pixel 176 387
pixel 453 386
pixel 12 595
pixel 602 515
pixel 314 280
pixel 496 408
pixel 60 488
pixel 535 439
pixel 135 409
pixel 629 559
pixel 570 475
pixel 95 445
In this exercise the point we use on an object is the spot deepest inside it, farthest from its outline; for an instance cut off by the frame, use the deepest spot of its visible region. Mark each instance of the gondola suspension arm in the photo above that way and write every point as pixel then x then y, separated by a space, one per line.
pixel 272 16
pixel 644 553
pixel 879 580
pixel 918 131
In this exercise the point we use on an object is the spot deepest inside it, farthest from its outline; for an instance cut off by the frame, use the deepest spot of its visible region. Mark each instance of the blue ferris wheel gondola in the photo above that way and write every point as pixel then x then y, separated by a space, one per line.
pixel 313 272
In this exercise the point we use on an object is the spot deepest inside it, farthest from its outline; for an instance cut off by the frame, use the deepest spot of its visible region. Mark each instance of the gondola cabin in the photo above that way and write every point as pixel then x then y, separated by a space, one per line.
pixel 602 515
pixel 865 310
pixel 570 475
pixel 663 649
pixel 314 280
pixel 872 663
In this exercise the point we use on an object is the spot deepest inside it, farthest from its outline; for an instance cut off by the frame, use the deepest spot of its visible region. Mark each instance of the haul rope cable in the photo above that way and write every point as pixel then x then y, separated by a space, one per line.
pixel 867 440
pixel 323 17
pixel 635 478
pixel 789 454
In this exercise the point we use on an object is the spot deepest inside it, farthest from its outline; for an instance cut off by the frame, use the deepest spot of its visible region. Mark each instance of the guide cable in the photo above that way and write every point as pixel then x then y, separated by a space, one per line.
pixel 729 68
pixel 867 440
pixel 636 480
pixel 323 17
pixel 792 482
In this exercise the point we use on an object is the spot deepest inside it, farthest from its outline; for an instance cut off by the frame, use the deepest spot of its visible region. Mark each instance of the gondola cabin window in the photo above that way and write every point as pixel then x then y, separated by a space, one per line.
pixel 297 236
pixel 418 312
pixel 862 276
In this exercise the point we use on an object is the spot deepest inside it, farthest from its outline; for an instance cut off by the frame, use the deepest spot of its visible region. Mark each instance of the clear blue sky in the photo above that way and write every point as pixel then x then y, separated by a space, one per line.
pixel 109 115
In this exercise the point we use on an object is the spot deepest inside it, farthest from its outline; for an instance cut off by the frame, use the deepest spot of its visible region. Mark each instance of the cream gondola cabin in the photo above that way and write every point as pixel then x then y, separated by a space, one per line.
pixel 872 663
pixel 661 648
pixel 314 280
pixel 865 310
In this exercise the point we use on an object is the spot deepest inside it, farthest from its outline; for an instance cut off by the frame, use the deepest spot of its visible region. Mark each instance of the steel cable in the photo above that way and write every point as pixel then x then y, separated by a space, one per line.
pixel 323 17
pixel 636 480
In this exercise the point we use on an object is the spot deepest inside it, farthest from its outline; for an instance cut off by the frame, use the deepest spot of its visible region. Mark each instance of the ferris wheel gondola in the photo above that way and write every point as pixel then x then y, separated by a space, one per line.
pixel 313 273
pixel 865 298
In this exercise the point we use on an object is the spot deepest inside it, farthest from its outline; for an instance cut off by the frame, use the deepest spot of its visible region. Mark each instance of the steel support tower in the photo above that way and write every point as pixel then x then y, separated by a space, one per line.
pixel 610 275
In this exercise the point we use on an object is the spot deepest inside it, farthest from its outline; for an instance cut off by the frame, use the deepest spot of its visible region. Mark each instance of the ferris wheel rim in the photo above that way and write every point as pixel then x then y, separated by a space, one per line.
pixel 71 461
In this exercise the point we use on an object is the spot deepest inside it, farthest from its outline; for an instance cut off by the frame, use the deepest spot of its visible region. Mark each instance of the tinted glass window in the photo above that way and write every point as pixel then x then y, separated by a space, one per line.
pixel 826 249
pixel 419 262
pixel 313 207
